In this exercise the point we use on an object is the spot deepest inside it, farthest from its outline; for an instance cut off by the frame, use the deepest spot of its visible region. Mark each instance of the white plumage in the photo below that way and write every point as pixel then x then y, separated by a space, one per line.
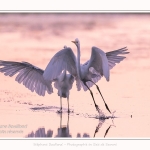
pixel 27 74
pixel 32 78
pixel 86 75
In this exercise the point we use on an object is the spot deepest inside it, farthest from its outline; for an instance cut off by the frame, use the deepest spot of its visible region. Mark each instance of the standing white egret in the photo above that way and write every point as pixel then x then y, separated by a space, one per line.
pixel 88 74
pixel 64 84
pixel 32 78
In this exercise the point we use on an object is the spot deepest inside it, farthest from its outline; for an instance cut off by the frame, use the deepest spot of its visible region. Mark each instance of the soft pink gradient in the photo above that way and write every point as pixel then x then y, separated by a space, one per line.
pixel 35 38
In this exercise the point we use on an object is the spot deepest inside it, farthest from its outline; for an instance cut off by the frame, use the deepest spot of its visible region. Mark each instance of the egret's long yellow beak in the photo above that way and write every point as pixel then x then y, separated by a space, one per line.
pixel 73 42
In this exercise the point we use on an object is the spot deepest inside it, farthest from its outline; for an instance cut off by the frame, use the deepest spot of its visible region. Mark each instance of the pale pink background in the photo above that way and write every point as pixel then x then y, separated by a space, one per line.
pixel 35 38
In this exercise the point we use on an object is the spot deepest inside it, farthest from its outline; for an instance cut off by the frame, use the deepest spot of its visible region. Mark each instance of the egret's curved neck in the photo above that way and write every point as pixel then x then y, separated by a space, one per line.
pixel 78 61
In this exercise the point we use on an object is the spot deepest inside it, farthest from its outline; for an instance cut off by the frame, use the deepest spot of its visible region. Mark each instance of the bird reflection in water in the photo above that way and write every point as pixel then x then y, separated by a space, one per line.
pixel 63 131
pixel 101 121
pixel 84 135
pixel 40 133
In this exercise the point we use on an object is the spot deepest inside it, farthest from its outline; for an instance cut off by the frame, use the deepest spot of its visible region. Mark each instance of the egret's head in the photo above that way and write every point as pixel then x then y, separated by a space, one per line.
pixel 65 46
pixel 76 42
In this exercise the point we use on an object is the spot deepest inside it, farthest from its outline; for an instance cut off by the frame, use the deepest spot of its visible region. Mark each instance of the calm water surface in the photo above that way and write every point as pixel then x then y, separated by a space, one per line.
pixel 35 38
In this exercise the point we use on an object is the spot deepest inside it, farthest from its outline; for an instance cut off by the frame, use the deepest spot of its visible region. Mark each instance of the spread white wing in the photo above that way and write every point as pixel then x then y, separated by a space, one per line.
pixel 62 60
pixel 99 62
pixel 96 67
pixel 114 58
pixel 28 74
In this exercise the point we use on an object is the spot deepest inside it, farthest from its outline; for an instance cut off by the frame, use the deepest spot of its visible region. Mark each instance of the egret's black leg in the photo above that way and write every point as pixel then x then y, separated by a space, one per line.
pixel 97 128
pixel 108 130
pixel 68 105
pixel 96 106
pixel 68 121
pixel 102 97
pixel 60 111
pixel 60 120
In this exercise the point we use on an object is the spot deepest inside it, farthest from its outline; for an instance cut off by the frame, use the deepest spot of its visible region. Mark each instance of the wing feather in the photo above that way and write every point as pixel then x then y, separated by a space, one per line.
pixel 62 60
pixel 32 81
pixel 113 57
pixel 99 62
pixel 71 80
pixel 27 74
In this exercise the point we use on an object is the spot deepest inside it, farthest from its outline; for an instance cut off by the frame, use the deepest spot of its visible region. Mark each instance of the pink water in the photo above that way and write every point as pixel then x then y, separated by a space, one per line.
pixel 35 38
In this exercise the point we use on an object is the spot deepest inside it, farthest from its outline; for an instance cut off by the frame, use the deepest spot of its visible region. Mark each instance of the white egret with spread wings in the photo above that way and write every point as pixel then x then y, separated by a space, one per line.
pixel 64 84
pixel 88 74
pixel 32 78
